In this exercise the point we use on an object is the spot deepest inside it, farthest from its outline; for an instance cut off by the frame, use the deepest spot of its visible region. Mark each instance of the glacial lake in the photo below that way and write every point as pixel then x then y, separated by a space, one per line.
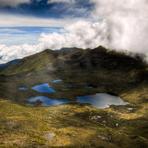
pixel 23 88
pixel 43 88
pixel 98 100
pixel 56 81
pixel 45 101
pixel 101 100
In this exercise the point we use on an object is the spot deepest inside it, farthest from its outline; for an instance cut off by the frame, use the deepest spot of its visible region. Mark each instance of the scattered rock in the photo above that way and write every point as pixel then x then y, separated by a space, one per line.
pixel 117 124
pixel 65 113
pixel 104 121
pixel 38 103
pixel 49 136
pixel 130 109
pixel 99 117
pixel 29 74
pixel 12 124
pixel 102 137
pixel 95 117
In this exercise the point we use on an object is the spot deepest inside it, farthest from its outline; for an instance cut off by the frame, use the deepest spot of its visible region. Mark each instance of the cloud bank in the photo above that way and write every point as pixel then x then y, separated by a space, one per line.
pixel 120 25
pixel 127 22
pixel 12 3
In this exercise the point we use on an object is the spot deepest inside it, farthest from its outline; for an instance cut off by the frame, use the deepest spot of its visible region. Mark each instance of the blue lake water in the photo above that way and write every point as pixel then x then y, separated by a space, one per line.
pixel 57 81
pixel 45 101
pixel 101 100
pixel 23 88
pixel 44 88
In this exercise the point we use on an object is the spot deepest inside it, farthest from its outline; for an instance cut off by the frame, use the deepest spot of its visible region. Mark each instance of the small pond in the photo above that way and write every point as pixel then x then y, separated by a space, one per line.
pixel 56 81
pixel 23 88
pixel 43 88
pixel 45 101
pixel 101 100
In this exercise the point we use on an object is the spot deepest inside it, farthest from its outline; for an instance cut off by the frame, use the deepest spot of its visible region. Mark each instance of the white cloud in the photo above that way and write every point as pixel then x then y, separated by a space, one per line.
pixel 8 53
pixel 9 20
pixel 125 27
pixel 127 21
pixel 74 35
pixel 122 25
pixel 13 3
pixel 82 34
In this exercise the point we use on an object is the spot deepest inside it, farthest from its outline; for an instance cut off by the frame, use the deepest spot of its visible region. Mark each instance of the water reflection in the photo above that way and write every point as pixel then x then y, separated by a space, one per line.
pixel 23 88
pixel 45 101
pixel 43 88
pixel 101 100
pixel 57 81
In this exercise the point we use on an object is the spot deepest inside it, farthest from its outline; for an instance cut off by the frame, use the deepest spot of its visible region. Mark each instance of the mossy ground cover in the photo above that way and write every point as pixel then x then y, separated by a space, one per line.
pixel 75 125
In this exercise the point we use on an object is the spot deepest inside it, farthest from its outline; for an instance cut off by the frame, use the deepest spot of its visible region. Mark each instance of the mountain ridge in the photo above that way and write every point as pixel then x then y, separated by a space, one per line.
pixel 74 58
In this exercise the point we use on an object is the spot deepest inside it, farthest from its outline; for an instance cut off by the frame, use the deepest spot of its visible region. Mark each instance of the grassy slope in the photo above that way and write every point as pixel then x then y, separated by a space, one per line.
pixel 76 125
pixel 98 58
pixel 32 63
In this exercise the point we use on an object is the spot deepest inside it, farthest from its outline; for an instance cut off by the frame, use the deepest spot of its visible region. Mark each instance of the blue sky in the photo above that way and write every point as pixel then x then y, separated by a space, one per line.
pixel 48 11
pixel 21 35
pixel 49 8
pixel 30 26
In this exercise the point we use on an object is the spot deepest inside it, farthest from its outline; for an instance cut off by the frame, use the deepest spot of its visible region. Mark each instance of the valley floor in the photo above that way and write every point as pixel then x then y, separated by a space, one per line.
pixel 76 125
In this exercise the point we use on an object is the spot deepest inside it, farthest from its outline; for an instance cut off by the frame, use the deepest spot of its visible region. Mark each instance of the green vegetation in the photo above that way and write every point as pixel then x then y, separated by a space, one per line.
pixel 75 125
